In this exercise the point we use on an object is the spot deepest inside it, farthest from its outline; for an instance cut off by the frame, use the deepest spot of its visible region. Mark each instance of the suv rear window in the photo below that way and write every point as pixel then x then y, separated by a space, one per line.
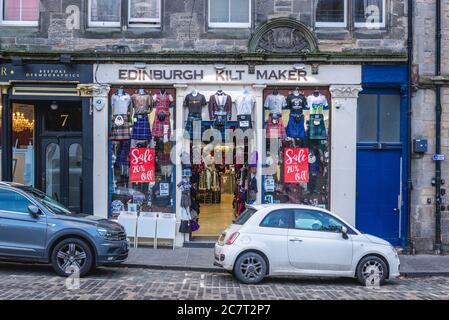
pixel 248 213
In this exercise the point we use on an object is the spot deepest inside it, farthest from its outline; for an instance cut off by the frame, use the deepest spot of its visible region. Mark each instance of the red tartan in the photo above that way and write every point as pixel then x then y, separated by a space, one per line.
pixel 275 131
pixel 162 103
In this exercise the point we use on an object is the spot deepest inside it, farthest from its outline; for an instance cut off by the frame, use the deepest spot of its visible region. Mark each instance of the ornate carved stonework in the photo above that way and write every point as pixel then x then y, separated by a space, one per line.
pixel 345 92
pixel 85 90
pixel 100 90
pixel 283 40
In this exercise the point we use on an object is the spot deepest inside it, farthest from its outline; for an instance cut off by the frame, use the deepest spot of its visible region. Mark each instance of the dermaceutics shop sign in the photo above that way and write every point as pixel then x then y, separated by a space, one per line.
pixel 225 74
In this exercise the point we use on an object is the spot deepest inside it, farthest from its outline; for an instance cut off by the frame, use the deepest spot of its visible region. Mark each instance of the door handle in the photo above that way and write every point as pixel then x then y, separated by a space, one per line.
pixel 295 240
pixel 396 210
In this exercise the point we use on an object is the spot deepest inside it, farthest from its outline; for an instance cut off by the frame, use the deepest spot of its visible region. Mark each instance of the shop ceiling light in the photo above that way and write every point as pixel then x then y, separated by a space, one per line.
pixel 219 66
pixel 140 65
pixel 299 66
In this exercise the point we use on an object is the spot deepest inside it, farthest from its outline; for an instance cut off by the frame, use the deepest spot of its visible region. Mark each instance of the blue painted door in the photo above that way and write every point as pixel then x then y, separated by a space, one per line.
pixel 379 198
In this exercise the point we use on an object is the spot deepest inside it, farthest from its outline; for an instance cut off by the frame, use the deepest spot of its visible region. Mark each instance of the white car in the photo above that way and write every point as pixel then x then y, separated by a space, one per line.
pixel 301 240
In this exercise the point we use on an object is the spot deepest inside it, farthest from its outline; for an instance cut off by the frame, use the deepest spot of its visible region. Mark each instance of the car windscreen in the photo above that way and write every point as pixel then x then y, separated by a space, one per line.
pixel 245 215
pixel 45 200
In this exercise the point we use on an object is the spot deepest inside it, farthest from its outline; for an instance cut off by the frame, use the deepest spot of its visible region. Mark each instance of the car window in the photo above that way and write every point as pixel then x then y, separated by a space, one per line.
pixel 317 221
pixel 244 216
pixel 278 219
pixel 48 202
pixel 13 201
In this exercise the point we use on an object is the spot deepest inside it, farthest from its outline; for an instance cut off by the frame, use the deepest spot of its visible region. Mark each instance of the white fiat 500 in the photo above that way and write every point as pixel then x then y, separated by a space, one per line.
pixel 302 240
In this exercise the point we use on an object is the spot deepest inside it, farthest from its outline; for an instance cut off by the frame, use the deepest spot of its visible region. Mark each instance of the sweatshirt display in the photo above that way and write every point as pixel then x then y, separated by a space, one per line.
pixel 131 113
pixel 275 102
pixel 194 102
pixel 296 103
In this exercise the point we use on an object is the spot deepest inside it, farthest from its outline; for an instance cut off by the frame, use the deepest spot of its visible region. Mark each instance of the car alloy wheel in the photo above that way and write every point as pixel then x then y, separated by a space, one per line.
pixel 71 256
pixel 372 271
pixel 251 268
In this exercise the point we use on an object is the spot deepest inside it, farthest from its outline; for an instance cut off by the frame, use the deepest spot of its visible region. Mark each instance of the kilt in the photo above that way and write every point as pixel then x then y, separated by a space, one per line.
pixel 220 124
pixel 141 128
pixel 317 128
pixel 275 131
pixel 189 129
pixel 120 132
pixel 123 153
pixel 295 127
pixel 158 125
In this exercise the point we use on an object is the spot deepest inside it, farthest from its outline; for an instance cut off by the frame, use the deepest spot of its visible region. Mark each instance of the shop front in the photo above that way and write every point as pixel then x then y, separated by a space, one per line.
pixel 46 132
pixel 200 141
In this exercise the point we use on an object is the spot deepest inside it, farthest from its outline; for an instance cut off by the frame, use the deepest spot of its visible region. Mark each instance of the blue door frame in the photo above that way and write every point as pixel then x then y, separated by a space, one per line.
pixel 401 149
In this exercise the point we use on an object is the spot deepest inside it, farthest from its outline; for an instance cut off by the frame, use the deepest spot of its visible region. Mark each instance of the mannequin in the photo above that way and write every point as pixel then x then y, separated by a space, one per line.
pixel 142 103
pixel 121 104
pixel 245 108
pixel 194 102
pixel 318 106
pixel 296 102
pixel 220 110
pixel 275 102
pixel 161 125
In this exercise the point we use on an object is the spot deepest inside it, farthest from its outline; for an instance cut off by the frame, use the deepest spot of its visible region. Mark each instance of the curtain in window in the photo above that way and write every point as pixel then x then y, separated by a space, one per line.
pixel 105 10
pixel 330 11
pixel 144 9
pixel 367 10
pixel 21 10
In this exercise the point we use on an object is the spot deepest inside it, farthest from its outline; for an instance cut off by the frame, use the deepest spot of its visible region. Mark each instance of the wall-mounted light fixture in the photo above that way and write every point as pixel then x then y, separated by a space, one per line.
pixel 54 106
pixel 299 66
pixel 219 66
pixel 140 65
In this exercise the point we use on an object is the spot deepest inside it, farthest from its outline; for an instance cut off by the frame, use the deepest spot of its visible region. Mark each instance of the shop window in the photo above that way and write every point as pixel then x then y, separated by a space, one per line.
pixel 23 143
pixel 52 180
pixel 331 13
pixel 19 12
pixel 297 144
pixel 142 176
pixel 104 13
pixel 369 13
pixel 378 118
pixel 142 13
pixel 229 13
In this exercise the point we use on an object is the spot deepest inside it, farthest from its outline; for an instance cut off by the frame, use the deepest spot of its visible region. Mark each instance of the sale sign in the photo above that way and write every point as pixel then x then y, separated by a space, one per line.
pixel 141 162
pixel 296 165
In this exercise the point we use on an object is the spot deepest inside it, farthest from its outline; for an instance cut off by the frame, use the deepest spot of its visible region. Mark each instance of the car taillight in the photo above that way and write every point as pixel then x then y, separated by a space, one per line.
pixel 232 238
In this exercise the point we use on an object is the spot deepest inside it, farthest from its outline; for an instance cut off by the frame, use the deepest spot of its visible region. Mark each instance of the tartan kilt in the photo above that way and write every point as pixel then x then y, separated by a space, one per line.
pixel 120 132
pixel 275 131
pixel 158 126
pixel 189 128
pixel 141 128
pixel 317 127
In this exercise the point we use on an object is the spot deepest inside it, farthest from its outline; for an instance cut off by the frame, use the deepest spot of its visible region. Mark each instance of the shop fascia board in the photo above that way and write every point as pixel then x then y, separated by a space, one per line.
pixel 201 58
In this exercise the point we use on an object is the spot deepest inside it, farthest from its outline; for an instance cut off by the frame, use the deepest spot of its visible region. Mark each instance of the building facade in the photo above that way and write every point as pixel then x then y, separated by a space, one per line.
pixel 319 90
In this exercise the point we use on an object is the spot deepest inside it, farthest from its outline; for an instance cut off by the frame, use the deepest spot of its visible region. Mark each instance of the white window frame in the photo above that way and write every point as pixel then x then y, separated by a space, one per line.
pixel 379 25
pixel 343 24
pixel 15 22
pixel 144 22
pixel 102 23
pixel 230 24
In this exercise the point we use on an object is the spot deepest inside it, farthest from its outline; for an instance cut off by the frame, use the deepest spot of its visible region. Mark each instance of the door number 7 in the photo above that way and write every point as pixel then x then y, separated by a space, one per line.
pixel 64 117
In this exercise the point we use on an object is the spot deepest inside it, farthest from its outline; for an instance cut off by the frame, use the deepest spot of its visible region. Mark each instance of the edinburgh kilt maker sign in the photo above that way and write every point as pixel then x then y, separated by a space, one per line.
pixel 296 165
pixel 142 165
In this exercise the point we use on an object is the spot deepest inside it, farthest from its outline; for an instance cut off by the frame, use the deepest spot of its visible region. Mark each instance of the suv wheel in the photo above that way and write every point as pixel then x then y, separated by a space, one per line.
pixel 71 256
pixel 372 271
pixel 250 268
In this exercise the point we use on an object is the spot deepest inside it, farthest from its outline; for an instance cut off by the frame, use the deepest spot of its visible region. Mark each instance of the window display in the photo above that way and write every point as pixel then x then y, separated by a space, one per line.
pixel 142 171
pixel 194 102
pixel 297 166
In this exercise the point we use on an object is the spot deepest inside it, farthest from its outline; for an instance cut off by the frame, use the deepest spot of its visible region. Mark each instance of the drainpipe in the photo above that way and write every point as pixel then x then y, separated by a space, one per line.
pixel 438 129
pixel 409 126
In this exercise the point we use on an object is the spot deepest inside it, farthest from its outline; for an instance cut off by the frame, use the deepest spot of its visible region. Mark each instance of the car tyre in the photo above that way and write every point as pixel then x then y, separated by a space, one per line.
pixel 70 256
pixel 372 271
pixel 250 268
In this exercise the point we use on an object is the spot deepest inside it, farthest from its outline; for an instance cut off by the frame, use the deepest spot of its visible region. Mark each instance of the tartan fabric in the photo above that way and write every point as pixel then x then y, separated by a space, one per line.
pixel 120 132
pixel 189 134
pixel 317 131
pixel 275 131
pixel 158 126
pixel 141 129
pixel 123 153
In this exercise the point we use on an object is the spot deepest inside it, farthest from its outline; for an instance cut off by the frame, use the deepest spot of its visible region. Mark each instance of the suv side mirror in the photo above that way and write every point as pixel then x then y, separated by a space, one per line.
pixel 33 210
pixel 344 232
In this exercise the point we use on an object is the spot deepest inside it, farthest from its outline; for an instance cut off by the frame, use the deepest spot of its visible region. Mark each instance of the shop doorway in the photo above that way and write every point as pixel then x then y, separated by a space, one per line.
pixel 60 164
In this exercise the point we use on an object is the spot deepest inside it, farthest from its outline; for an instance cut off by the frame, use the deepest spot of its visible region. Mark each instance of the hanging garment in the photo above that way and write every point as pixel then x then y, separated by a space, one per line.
pixel 123 153
pixel 245 104
pixel 184 227
pixel 317 104
pixel 120 127
pixel 275 103
pixel 162 103
pixel 193 128
pixel 208 179
pixel 121 104
pixel 295 127
pixel 141 128
pixel 275 128
pixel 141 103
pixel 296 102
pixel 215 184
pixel 195 104
pixel 220 105
pixel 317 127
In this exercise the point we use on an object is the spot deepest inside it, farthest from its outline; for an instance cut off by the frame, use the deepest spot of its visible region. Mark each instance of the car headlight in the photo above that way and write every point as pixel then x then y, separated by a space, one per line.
pixel 111 235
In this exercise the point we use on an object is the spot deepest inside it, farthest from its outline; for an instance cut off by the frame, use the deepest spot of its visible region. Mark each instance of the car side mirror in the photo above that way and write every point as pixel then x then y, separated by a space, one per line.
pixel 34 211
pixel 344 233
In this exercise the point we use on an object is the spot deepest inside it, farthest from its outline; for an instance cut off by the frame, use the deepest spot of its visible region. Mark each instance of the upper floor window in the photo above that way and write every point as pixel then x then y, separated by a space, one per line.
pixel 369 13
pixel 230 13
pixel 139 13
pixel 19 12
pixel 331 13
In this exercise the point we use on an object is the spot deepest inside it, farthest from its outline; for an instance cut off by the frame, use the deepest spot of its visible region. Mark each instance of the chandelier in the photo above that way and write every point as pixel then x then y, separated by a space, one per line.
pixel 20 123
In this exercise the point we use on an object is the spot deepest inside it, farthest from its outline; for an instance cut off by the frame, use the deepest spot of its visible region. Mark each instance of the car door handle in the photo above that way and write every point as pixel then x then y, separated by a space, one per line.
pixel 295 240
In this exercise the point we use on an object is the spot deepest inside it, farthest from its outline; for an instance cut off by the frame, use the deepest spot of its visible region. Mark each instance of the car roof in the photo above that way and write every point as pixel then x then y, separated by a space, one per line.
pixel 10 184
pixel 285 206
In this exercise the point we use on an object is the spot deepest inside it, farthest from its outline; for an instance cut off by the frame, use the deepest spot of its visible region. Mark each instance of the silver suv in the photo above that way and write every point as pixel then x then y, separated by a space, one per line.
pixel 34 227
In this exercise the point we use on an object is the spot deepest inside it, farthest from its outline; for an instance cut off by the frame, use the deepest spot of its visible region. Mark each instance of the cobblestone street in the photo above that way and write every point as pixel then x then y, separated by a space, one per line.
pixel 39 282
